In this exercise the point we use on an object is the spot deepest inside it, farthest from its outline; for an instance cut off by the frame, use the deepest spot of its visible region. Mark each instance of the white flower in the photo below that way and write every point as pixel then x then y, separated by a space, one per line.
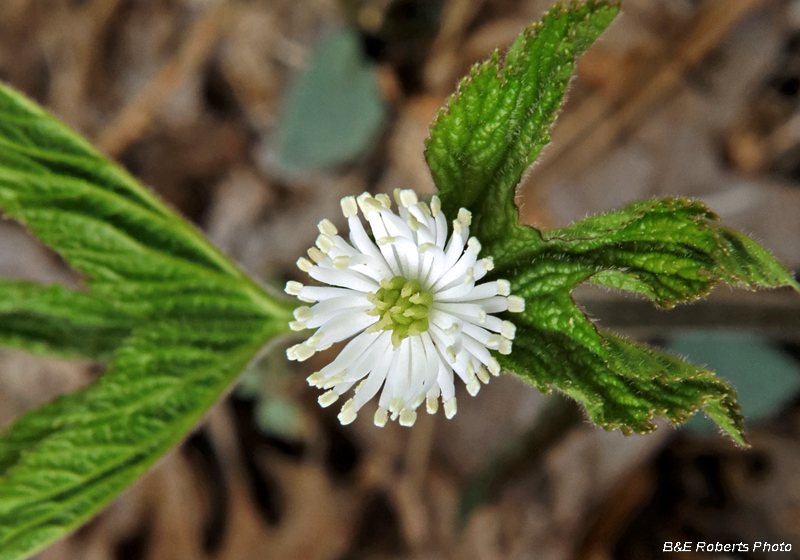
pixel 411 300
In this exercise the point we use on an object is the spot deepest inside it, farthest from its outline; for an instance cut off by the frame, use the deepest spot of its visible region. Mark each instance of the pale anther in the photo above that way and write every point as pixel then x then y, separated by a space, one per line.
pixel 315 254
pixel 326 226
pixel 475 245
pixel 516 304
pixel 450 408
pixel 436 206
pixel 341 262
pixel 432 405
pixel 503 287
pixel 303 313
pixel 304 264
pixel 324 242
pixel 408 418
pixel 303 352
pixel 349 206
pixel 381 416
pixel 408 198
pixel 348 413
pixel 473 386
pixel 293 288
pixel 384 199
pixel 328 398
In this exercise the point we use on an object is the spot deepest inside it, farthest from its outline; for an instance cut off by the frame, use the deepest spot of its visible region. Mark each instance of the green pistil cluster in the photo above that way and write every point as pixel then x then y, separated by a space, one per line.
pixel 402 306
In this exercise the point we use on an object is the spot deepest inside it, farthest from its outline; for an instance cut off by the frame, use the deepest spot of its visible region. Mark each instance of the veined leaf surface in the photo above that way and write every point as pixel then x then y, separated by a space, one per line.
pixel 178 318
pixel 671 250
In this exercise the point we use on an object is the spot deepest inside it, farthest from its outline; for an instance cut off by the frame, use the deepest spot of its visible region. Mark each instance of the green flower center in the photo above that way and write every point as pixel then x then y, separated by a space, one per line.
pixel 402 306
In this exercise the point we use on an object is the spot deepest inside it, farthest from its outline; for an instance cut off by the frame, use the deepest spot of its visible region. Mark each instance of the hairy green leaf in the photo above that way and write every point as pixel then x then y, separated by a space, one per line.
pixel 494 126
pixel 670 250
pixel 61 464
pixel 178 318
pixel 51 320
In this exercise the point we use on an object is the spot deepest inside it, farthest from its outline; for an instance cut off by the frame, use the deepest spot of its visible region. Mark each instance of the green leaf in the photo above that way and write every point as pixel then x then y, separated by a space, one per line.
pixel 333 111
pixel 179 319
pixel 51 320
pixel 670 250
pixel 62 463
pixel 494 126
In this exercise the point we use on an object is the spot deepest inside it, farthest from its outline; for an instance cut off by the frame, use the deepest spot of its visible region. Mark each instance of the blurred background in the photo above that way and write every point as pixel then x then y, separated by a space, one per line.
pixel 254 117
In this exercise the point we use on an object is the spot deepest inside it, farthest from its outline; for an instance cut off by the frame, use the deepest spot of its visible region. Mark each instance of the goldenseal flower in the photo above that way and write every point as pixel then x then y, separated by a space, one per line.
pixel 411 300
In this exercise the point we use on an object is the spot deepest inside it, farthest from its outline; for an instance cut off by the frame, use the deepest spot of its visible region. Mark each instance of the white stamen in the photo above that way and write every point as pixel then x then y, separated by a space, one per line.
pixel 494 341
pixel 381 416
pixel 293 288
pixel 314 340
pixel 325 243
pixel 450 408
pixel 303 313
pixel 473 386
pixel 326 226
pixel 516 304
pixel 368 204
pixel 432 405
pixel 436 206
pixel 408 417
pixel 333 381
pixel 462 329
pixel 408 198
pixel 384 199
pixel 328 398
pixel 503 287
pixel 315 254
pixel 349 206
pixel 303 352
pixel 304 264
pixel 509 330
pixel 341 263
pixel 348 413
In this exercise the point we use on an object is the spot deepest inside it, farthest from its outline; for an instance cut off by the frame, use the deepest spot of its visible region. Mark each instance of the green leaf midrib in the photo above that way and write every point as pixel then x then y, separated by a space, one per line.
pixel 192 267
pixel 183 318
pixel 157 220
pixel 132 194
pixel 182 425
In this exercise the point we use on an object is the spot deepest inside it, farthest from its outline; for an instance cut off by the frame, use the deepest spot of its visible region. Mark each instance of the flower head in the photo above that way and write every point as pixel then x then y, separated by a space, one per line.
pixel 412 303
